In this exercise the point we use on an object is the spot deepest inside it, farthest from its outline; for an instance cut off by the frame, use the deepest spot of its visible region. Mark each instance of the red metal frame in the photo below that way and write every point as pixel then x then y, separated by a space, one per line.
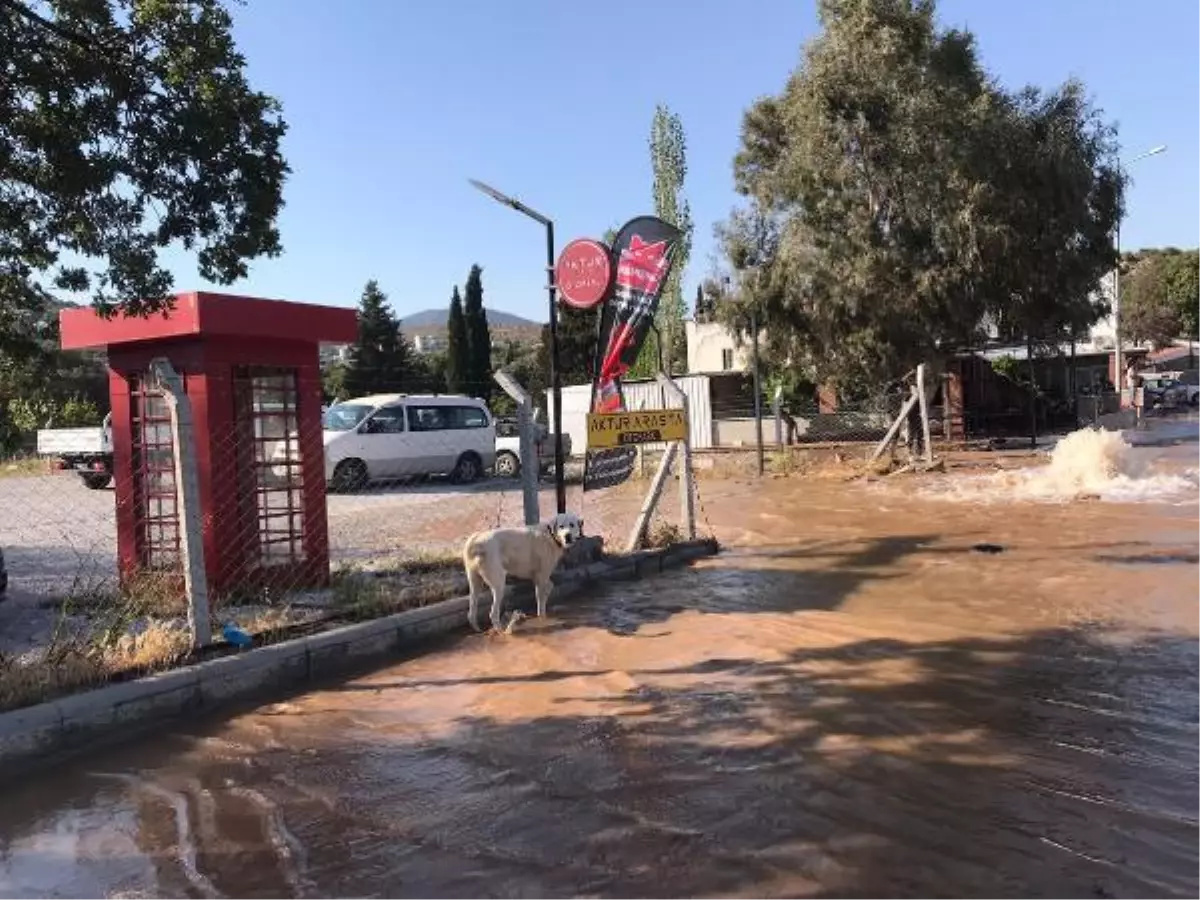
pixel 211 338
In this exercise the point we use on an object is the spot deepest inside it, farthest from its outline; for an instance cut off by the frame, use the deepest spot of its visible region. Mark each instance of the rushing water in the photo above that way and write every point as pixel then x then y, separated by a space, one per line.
pixel 852 701
pixel 1087 464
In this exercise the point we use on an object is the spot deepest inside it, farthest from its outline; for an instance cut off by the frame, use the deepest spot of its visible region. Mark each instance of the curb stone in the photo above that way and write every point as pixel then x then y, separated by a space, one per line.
pixel 38 736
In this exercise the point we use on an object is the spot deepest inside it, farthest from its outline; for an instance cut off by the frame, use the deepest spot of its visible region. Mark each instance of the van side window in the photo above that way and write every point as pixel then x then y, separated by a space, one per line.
pixel 388 420
pixel 467 417
pixel 426 418
pixel 446 418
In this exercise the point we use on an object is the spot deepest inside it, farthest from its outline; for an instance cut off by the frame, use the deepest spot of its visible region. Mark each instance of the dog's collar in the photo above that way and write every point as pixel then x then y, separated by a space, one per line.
pixel 554 536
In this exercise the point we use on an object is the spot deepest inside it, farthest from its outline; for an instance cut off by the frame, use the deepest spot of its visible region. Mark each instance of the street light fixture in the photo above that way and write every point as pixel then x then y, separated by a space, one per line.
pixel 560 484
pixel 1116 311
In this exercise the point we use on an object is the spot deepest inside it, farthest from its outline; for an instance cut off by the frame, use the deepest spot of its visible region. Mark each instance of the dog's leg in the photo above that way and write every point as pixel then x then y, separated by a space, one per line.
pixel 497 600
pixel 543 589
pixel 477 586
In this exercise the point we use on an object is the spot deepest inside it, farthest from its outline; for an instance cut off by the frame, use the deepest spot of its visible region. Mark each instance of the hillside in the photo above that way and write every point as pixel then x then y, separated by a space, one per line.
pixel 429 320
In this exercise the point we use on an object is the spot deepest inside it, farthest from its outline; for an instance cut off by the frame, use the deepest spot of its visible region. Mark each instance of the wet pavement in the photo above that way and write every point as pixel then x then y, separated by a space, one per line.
pixel 851 701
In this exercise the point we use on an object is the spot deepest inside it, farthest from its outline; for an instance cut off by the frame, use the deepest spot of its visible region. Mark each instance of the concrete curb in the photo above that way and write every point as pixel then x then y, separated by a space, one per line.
pixel 40 735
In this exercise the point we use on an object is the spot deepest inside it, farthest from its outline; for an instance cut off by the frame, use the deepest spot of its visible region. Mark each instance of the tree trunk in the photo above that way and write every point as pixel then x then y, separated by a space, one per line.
pixel 1074 385
pixel 1033 423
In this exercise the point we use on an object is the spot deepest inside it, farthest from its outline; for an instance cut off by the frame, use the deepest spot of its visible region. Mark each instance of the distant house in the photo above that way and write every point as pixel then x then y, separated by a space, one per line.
pixel 712 349
pixel 429 343
pixel 330 354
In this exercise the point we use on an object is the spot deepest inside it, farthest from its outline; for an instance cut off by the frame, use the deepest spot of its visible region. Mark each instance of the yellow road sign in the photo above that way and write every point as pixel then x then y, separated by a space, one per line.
pixel 647 426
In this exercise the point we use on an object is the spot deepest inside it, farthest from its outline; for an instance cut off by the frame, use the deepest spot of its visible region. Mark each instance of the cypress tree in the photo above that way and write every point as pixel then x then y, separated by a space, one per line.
pixel 478 369
pixel 456 346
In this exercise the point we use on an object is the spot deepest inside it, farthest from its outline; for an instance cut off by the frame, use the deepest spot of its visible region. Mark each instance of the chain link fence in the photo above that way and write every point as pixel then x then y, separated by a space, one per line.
pixel 264 523
pixel 785 423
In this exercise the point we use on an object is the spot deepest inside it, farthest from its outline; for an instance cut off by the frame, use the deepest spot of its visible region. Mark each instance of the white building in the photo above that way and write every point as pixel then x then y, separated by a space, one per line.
pixel 711 348
pixel 429 343
pixel 334 353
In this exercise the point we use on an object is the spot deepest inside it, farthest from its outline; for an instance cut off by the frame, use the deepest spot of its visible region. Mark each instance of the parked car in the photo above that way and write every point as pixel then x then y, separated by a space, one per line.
pixel 389 436
pixel 508 448
pixel 87 451
pixel 1155 387
pixel 1190 382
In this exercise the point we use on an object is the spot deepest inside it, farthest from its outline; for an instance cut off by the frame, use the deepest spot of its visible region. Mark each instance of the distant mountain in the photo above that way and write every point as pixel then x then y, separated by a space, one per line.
pixel 430 319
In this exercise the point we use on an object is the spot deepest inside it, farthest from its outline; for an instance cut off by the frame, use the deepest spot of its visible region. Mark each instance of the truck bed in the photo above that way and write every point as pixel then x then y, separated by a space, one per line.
pixel 91 441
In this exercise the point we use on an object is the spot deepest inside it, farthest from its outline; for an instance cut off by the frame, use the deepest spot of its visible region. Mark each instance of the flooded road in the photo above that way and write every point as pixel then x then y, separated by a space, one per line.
pixel 872 693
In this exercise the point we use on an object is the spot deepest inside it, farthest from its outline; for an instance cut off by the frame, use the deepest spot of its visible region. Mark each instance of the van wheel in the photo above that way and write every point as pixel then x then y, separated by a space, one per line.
pixel 507 465
pixel 468 468
pixel 96 481
pixel 349 475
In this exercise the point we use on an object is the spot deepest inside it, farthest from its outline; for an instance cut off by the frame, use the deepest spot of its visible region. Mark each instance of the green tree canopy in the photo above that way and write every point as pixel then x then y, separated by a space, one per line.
pixel 1160 295
pixel 333 382
pixel 668 163
pixel 457 347
pixel 1054 197
pixel 380 360
pixel 890 199
pixel 127 126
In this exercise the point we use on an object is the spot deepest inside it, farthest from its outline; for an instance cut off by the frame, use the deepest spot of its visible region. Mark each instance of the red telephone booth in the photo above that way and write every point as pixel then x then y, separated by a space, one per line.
pixel 250 368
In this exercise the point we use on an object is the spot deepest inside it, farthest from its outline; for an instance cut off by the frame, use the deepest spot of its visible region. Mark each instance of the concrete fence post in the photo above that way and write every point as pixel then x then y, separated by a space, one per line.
pixel 687 482
pixel 530 461
pixel 923 403
pixel 777 409
pixel 187 499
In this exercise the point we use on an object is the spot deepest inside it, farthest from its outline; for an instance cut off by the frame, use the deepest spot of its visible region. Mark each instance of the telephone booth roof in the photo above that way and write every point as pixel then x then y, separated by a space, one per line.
pixel 200 315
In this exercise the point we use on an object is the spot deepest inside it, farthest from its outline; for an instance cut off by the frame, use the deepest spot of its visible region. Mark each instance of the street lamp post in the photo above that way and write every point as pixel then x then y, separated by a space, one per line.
pixel 756 376
pixel 1116 311
pixel 560 484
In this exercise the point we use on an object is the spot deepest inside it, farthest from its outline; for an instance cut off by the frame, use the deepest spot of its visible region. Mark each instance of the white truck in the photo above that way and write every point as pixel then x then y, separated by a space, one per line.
pixel 86 451
pixel 508 448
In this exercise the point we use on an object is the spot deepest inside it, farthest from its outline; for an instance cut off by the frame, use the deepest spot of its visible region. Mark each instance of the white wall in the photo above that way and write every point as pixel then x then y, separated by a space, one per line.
pixel 706 343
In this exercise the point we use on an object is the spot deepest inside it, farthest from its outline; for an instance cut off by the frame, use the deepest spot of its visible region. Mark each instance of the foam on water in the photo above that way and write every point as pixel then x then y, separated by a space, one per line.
pixel 1089 463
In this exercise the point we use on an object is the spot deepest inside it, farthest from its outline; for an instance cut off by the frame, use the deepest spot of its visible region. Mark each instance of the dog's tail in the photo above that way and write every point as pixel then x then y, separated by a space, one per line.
pixel 470 548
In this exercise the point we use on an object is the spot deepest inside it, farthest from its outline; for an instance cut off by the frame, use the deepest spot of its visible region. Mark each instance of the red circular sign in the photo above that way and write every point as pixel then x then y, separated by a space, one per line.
pixel 583 273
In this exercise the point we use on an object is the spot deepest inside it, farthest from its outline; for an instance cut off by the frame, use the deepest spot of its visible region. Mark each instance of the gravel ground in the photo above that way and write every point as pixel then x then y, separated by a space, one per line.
pixel 59 538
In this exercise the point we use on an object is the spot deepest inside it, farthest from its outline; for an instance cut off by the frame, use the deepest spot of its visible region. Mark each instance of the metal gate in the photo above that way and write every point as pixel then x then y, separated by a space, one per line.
pixel 270 474
pixel 155 497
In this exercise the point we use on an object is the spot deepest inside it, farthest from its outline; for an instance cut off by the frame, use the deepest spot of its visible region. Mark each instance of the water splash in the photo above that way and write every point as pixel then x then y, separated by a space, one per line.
pixel 1089 464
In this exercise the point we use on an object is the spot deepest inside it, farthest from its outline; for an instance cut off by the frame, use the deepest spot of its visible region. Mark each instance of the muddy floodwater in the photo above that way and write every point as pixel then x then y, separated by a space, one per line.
pixel 876 691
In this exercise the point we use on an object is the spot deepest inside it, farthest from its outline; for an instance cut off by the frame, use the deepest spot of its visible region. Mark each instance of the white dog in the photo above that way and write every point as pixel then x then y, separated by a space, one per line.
pixel 491 556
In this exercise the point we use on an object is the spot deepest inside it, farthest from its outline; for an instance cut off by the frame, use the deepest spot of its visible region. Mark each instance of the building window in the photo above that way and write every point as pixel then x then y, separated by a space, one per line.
pixel 727 359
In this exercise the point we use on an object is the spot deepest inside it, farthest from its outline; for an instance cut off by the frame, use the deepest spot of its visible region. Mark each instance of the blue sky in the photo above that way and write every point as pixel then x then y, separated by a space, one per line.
pixel 393 104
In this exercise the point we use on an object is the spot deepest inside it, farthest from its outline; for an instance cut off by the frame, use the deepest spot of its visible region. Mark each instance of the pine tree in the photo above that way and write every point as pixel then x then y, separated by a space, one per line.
pixel 478 369
pixel 456 346
pixel 380 361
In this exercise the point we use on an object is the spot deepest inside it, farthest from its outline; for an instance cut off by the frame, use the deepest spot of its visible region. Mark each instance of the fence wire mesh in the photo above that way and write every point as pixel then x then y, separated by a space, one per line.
pixel 736 421
pixel 393 541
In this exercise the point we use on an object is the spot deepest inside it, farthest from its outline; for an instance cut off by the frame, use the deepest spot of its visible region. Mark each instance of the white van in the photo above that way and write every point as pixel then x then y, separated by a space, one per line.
pixel 404 435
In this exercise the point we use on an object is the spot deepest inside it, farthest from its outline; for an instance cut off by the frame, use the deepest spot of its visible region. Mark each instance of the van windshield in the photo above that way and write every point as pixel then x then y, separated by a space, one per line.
pixel 344 416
